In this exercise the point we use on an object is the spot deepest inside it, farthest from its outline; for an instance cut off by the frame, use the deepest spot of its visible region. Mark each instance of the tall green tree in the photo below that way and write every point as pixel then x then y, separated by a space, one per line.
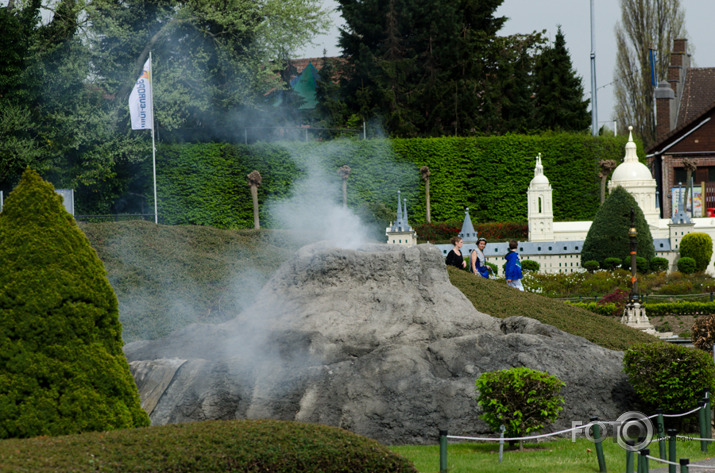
pixel 608 235
pixel 421 73
pixel 559 91
pixel 644 25
pixel 62 369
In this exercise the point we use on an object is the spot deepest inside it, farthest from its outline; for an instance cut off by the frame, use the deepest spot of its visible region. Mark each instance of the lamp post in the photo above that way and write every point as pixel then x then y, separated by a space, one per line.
pixel 633 235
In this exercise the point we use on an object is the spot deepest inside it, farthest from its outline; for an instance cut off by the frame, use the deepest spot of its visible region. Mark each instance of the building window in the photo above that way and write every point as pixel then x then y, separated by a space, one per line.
pixel 549 248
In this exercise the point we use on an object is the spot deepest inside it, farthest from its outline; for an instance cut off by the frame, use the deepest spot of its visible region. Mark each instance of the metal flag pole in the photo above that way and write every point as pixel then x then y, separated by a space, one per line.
pixel 153 144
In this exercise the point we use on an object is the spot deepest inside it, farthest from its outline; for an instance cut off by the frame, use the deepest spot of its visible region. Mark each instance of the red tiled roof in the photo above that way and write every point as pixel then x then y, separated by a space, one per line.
pixel 698 94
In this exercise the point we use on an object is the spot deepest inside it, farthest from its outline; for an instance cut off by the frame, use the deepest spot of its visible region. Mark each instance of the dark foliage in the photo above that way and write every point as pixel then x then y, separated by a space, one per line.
pixel 669 377
pixel 608 235
pixel 687 265
pixel 698 246
pixel 619 298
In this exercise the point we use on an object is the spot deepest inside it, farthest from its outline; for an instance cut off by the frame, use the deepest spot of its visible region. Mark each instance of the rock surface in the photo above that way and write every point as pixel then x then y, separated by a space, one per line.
pixel 376 341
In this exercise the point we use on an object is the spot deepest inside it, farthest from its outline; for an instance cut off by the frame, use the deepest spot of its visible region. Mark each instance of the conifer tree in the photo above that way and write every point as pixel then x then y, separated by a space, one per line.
pixel 559 91
pixel 62 369
pixel 608 235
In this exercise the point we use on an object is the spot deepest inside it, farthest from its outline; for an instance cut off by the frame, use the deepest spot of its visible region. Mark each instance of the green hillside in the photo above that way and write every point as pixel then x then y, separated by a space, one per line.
pixel 167 277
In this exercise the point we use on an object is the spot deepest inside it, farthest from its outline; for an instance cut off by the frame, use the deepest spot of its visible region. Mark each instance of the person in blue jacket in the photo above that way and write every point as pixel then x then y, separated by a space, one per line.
pixel 477 260
pixel 512 271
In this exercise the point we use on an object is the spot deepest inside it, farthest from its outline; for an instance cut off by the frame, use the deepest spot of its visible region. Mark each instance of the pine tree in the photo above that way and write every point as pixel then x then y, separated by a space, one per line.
pixel 559 91
pixel 62 369
pixel 608 235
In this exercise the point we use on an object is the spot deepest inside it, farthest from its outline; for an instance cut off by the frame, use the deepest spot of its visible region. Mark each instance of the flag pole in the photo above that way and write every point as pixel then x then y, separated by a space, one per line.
pixel 153 144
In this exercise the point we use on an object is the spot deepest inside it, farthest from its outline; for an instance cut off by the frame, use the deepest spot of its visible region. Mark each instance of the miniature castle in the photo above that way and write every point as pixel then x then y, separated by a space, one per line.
pixel 399 232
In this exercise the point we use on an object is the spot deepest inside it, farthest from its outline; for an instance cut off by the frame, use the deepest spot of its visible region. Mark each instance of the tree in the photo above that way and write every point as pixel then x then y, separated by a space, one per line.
pixel 559 91
pixel 62 369
pixel 608 235
pixel 521 399
pixel 644 25
pixel 254 180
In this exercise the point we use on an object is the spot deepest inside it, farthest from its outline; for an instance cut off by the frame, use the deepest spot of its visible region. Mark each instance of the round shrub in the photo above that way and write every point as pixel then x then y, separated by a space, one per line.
pixel 608 235
pixel 669 377
pixel 642 264
pixel 698 246
pixel 521 399
pixel 702 332
pixel 658 264
pixel 612 263
pixel 686 265
pixel 219 446
pixel 530 265
pixel 591 266
pixel 62 369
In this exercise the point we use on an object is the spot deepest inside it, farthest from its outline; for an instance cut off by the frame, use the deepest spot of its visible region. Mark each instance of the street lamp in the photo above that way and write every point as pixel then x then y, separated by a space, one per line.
pixel 633 235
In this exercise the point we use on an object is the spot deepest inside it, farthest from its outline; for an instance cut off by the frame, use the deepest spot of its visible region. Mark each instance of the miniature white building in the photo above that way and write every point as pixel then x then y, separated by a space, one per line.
pixel 556 246
pixel 400 232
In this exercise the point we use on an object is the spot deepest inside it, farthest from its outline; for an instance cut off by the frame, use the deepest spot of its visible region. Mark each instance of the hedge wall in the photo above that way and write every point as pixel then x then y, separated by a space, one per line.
pixel 205 184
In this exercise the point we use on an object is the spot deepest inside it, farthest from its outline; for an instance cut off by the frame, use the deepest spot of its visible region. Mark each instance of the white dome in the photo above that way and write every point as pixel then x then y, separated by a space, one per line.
pixel 631 169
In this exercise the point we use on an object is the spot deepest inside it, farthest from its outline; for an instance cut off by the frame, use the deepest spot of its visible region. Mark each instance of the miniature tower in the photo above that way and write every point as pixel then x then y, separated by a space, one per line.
pixel 681 224
pixel 540 205
pixel 635 177
pixel 400 232
pixel 468 234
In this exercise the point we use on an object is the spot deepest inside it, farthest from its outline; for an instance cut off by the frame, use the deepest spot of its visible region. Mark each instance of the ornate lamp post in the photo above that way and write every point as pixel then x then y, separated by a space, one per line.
pixel 633 235
pixel 634 313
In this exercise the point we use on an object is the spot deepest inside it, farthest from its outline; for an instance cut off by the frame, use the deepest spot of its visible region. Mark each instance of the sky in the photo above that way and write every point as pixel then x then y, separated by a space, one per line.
pixel 574 16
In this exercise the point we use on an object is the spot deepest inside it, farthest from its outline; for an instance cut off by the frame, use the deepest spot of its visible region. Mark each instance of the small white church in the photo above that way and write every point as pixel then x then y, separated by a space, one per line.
pixel 556 246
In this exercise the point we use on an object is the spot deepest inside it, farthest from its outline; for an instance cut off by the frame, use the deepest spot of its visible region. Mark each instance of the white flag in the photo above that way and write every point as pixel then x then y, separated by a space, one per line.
pixel 141 102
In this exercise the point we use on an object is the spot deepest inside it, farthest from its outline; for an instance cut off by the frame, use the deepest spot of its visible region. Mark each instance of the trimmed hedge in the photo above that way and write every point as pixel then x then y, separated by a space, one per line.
pixel 687 265
pixel 207 447
pixel 652 310
pixel 62 369
pixel 698 246
pixel 659 264
pixel 669 377
pixel 205 184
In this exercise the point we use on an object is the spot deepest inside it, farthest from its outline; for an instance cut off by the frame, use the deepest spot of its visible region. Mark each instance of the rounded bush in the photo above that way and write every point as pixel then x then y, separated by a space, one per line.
pixel 521 399
pixel 702 332
pixel 658 264
pixel 209 447
pixel 591 266
pixel 612 263
pixel 530 265
pixel 642 264
pixel 669 377
pixel 687 265
pixel 698 246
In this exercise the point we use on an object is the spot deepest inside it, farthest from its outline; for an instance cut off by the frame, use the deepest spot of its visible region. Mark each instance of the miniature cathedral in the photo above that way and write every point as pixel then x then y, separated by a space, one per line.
pixel 540 206
pixel 399 232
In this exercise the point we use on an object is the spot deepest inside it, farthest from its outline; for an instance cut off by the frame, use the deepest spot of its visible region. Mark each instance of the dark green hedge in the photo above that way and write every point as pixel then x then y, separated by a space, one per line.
pixel 653 310
pixel 205 184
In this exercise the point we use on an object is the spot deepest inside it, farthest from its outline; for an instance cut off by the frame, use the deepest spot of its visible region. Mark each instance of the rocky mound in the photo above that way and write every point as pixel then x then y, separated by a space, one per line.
pixel 376 341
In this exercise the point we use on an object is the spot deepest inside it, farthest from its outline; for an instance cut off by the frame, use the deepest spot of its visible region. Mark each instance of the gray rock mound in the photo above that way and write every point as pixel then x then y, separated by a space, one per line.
pixel 376 341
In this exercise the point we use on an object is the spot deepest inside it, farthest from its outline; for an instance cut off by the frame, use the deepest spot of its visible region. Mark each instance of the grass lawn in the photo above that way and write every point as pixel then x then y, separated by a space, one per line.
pixel 545 457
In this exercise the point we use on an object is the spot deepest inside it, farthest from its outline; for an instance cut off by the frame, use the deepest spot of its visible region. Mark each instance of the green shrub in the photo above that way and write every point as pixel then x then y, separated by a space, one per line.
pixel 669 377
pixel 698 246
pixel 658 264
pixel 604 309
pixel 530 265
pixel 62 369
pixel 521 399
pixel 591 266
pixel 438 231
pixel 687 265
pixel 702 333
pixel 642 264
pixel 495 268
pixel 250 446
pixel 608 235
pixel 612 263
